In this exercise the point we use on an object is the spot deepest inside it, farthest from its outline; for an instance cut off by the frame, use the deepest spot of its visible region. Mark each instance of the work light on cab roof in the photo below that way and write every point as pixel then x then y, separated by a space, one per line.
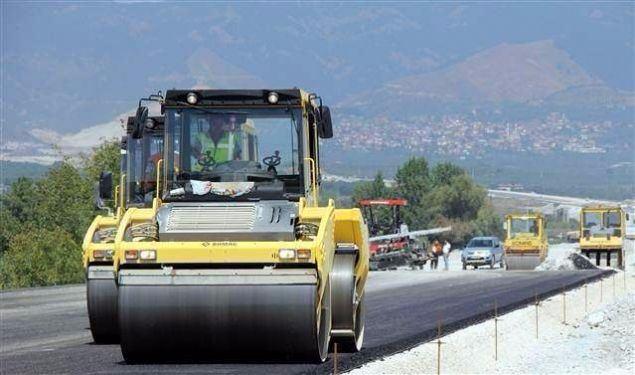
pixel 273 97
pixel 192 98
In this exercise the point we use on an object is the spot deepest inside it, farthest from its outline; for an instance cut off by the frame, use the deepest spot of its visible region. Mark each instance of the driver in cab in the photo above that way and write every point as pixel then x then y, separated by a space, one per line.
pixel 219 140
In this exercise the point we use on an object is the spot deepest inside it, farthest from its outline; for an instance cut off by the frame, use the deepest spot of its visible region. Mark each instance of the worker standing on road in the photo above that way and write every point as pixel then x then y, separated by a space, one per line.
pixel 436 252
pixel 431 255
pixel 446 255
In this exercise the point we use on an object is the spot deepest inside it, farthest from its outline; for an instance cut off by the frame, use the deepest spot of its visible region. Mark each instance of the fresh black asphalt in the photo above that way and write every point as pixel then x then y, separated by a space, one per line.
pixel 45 330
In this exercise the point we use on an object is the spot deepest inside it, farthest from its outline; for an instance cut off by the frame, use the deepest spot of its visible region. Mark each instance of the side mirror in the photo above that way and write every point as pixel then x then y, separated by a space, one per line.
pixel 325 125
pixel 105 185
pixel 139 121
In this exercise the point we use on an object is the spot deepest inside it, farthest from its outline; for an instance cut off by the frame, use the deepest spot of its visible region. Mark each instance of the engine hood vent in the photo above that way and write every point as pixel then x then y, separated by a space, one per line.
pixel 227 221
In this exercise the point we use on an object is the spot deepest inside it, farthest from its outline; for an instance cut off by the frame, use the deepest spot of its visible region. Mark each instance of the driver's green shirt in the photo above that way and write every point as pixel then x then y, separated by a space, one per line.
pixel 227 148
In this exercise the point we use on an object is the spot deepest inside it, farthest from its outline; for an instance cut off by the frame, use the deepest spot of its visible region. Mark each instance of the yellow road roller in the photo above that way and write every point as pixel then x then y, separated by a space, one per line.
pixel 140 149
pixel 236 258
pixel 525 241
pixel 602 230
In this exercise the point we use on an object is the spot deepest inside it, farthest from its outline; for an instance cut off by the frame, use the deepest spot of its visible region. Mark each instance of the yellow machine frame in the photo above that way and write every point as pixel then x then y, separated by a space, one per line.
pixel 598 244
pixel 336 227
pixel 100 223
pixel 526 244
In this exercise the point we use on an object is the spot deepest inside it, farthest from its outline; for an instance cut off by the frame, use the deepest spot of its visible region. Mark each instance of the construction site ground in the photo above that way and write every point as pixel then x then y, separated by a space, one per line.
pixel 45 330
pixel 572 338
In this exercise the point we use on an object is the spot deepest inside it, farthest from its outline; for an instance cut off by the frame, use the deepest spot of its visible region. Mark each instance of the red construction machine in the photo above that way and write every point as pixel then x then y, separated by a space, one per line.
pixel 391 244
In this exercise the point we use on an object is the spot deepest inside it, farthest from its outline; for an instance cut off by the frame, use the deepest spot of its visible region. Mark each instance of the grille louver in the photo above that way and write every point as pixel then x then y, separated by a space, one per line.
pixel 212 218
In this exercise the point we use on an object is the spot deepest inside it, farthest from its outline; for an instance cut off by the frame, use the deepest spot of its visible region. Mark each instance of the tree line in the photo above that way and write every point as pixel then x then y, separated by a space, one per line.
pixel 444 195
pixel 44 220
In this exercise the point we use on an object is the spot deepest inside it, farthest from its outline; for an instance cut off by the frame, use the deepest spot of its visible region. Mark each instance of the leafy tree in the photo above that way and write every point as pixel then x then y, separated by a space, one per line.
pixel 64 201
pixel 44 222
pixel 9 227
pixel 461 232
pixel 442 196
pixel 38 256
pixel 488 222
pixel 443 173
pixel 21 199
pixel 413 180
pixel 461 199
pixel 104 158
pixel 371 189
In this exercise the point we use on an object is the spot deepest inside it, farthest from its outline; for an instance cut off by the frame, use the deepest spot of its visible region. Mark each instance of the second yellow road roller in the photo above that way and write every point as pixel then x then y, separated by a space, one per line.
pixel 140 149
pixel 237 258
pixel 525 243
pixel 602 230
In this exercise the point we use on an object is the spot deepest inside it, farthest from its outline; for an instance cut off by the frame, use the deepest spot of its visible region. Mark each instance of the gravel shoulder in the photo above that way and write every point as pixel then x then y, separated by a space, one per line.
pixel 596 338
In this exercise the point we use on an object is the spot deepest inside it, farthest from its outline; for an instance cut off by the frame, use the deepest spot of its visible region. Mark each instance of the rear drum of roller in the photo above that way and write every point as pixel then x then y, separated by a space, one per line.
pixel 348 308
pixel 101 300
pixel 221 322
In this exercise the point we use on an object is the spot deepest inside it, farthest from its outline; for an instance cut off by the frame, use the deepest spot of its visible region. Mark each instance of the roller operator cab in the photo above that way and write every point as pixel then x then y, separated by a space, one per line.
pixel 602 229
pixel 139 151
pixel 236 258
pixel 525 241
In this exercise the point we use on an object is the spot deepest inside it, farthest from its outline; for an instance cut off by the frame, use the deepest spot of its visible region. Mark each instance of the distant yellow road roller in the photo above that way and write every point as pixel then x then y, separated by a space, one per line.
pixel 602 230
pixel 525 241
pixel 140 148
pixel 237 258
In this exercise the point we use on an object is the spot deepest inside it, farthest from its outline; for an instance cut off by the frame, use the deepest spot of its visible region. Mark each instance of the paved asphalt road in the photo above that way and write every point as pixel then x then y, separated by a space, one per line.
pixel 45 330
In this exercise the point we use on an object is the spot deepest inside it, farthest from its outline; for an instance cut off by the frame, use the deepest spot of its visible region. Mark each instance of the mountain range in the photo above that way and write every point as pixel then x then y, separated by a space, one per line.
pixel 536 74
pixel 71 72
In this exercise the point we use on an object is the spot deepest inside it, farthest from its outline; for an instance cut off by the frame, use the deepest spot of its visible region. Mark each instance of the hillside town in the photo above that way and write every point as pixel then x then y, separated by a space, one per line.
pixel 460 136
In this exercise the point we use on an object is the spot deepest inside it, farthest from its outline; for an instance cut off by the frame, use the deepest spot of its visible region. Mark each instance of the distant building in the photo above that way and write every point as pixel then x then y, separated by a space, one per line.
pixel 510 187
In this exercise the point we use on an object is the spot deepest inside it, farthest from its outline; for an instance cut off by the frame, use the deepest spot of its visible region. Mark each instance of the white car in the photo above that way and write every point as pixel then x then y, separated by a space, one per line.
pixel 482 251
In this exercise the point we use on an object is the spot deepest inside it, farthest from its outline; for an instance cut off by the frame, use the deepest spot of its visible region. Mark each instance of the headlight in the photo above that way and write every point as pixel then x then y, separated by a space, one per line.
pixel 148 254
pixel 102 254
pixel 303 254
pixel 131 254
pixel 286 254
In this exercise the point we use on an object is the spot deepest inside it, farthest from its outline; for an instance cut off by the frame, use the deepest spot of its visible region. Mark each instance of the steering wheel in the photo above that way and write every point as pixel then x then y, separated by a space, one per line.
pixel 207 161
pixel 272 161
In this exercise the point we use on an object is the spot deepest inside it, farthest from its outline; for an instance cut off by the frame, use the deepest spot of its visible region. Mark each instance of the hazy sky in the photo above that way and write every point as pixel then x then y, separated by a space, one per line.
pixel 69 65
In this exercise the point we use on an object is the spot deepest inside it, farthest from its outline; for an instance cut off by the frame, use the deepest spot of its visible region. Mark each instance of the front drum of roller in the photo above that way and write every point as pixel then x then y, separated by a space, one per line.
pixel 161 323
pixel 516 262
